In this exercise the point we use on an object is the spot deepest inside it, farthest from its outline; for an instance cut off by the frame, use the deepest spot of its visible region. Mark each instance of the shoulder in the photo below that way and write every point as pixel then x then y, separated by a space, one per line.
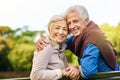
pixel 90 45
pixel 47 49
pixel 91 48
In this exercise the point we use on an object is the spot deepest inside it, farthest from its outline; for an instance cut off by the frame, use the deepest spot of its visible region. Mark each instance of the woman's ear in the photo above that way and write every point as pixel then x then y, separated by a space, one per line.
pixel 49 27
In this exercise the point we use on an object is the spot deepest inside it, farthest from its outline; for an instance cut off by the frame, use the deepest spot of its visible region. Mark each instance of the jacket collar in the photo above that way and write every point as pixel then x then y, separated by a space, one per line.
pixel 57 46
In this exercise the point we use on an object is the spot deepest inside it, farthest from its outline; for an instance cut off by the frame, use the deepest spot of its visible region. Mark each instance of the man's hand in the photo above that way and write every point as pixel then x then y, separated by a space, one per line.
pixel 41 43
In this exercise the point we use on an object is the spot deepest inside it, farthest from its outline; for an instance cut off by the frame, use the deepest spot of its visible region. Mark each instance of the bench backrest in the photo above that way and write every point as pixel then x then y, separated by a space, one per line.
pixel 113 75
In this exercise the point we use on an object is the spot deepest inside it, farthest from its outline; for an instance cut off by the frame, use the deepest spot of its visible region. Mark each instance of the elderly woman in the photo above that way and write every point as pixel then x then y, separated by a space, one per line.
pixel 49 63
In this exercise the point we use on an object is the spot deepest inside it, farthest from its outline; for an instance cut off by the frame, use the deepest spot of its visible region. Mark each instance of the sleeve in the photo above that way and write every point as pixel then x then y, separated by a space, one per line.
pixel 89 65
pixel 68 41
pixel 40 62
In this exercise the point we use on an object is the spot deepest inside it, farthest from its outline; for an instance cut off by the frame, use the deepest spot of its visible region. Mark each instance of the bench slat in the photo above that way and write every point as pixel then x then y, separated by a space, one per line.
pixel 108 75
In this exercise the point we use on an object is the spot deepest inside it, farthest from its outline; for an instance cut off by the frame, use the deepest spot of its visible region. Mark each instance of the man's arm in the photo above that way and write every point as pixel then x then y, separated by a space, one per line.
pixel 89 65
pixel 42 42
pixel 68 41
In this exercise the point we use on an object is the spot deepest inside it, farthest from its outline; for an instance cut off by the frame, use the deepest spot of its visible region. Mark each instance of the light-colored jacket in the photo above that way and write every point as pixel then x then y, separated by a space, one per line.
pixel 47 63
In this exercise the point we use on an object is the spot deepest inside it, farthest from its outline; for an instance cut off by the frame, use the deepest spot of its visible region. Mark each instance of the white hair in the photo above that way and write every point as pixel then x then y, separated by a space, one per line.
pixel 80 9
pixel 56 18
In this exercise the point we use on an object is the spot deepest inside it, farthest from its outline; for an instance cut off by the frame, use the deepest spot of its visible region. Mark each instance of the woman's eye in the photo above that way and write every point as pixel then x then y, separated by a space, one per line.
pixel 57 28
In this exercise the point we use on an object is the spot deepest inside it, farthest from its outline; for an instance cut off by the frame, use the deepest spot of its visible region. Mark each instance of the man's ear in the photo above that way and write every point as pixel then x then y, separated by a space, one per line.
pixel 86 21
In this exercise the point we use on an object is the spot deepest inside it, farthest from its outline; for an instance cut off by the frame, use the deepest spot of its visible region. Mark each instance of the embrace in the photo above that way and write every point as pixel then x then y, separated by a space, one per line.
pixel 88 42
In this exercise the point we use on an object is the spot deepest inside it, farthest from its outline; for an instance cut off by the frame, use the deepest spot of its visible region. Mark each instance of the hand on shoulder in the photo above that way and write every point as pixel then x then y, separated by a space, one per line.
pixel 41 43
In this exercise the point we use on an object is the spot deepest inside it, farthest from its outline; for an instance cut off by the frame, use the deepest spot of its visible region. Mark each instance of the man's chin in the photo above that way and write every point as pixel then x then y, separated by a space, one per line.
pixel 77 34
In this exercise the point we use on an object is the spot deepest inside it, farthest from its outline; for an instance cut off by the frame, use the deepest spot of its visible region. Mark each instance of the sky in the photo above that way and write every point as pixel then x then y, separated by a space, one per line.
pixel 36 13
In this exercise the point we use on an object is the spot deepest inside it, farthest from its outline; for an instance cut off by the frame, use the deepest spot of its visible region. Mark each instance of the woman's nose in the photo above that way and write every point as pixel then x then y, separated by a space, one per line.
pixel 60 31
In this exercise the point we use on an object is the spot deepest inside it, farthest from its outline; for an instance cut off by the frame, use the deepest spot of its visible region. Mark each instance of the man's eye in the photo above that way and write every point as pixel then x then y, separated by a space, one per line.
pixel 75 21
pixel 69 23
pixel 65 29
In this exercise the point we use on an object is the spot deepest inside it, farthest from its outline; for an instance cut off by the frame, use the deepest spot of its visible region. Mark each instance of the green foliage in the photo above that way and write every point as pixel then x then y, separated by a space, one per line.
pixel 109 31
pixel 21 57
pixel 4 30
pixel 117 40
pixel 4 50
pixel 10 42
pixel 16 49
pixel 25 39
pixel 113 35
pixel 71 58
pixel 28 33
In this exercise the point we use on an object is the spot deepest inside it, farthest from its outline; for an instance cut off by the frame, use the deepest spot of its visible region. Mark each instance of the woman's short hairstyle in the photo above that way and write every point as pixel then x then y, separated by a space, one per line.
pixel 56 18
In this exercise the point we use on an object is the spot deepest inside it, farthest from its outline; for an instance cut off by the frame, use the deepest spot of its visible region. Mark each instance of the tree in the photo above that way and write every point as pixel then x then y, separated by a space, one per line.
pixel 4 31
pixel 4 50
pixel 21 57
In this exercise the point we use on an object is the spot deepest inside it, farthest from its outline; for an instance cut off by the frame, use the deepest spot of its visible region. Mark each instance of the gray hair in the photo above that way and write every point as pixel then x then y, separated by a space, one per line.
pixel 56 18
pixel 80 9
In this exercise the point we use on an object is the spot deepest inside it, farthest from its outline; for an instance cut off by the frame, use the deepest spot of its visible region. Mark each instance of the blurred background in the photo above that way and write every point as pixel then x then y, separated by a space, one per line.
pixel 23 22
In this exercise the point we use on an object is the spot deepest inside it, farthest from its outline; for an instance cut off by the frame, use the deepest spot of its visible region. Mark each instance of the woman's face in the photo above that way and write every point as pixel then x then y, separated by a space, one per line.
pixel 58 31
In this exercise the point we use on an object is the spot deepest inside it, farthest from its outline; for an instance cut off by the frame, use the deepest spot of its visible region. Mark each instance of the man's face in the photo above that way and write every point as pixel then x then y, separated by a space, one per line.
pixel 75 23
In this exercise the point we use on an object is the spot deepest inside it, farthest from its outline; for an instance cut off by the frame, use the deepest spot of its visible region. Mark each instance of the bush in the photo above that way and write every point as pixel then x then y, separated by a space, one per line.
pixel 21 57
pixel 4 50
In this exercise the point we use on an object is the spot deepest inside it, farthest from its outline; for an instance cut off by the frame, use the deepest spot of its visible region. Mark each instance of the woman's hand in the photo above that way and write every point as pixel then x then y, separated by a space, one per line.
pixel 73 72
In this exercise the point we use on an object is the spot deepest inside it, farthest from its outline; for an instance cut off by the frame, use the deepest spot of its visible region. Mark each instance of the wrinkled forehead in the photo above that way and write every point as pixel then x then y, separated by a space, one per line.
pixel 72 15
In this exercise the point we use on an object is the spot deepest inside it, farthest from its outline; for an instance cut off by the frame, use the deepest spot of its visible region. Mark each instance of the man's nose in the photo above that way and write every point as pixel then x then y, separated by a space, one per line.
pixel 72 25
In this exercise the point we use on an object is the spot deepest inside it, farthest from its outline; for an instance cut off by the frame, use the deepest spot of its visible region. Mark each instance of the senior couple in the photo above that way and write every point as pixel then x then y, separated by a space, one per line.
pixel 88 42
